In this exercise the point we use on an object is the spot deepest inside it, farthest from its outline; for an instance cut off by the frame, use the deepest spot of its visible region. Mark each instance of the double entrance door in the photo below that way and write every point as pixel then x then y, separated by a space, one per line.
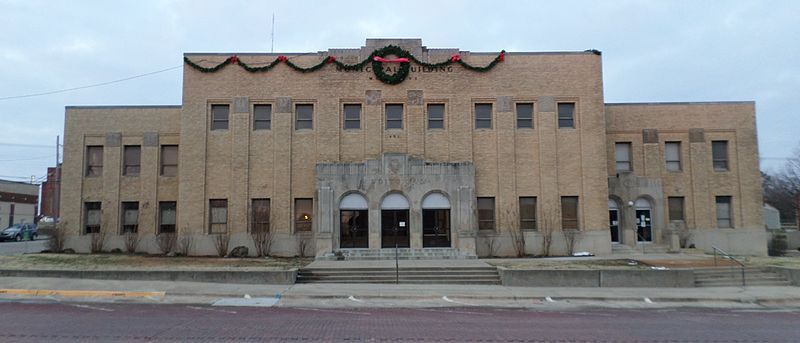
pixel 435 228
pixel 394 229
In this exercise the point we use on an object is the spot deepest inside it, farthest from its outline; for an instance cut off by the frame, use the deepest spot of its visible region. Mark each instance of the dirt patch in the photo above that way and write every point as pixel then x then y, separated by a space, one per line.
pixel 565 264
pixel 138 262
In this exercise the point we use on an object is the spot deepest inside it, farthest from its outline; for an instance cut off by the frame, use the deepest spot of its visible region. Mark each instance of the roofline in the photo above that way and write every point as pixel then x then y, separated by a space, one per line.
pixel 85 107
pixel 751 102
pixel 492 53
pixel 19 182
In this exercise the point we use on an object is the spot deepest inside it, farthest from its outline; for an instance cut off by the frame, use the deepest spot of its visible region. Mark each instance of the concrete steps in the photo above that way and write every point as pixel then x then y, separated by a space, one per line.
pixel 407 275
pixel 402 254
pixel 732 277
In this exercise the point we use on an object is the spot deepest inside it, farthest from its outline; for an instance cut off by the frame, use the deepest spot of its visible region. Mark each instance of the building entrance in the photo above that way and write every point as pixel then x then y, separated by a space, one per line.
pixel 644 223
pixel 394 229
pixel 436 228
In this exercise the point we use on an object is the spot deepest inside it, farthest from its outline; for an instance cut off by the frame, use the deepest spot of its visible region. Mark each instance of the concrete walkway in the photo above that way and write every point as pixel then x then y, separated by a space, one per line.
pixel 401 263
pixel 372 295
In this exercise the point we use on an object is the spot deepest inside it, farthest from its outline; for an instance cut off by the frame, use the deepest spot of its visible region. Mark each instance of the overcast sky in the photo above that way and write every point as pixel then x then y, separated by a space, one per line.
pixel 652 51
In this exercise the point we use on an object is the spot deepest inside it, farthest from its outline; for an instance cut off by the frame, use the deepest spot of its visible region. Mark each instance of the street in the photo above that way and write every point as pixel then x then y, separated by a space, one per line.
pixel 24 247
pixel 98 322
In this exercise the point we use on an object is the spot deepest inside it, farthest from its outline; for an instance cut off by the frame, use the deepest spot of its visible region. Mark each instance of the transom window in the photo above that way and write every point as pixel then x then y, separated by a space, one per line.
pixel 394 116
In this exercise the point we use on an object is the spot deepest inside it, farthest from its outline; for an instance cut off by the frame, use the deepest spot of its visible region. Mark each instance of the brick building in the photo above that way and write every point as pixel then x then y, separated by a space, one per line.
pixel 18 203
pixel 451 159
pixel 50 189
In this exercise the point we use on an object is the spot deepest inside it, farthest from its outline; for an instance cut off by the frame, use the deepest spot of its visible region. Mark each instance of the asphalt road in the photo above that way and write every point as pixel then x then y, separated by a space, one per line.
pixel 14 248
pixel 70 322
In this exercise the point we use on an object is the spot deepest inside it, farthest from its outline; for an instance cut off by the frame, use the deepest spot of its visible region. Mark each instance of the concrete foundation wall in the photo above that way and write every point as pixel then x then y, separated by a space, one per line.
pixel 733 241
pixel 596 278
pixel 278 277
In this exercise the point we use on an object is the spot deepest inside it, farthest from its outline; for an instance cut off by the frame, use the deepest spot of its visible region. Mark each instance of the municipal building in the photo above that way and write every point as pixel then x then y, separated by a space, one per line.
pixel 442 153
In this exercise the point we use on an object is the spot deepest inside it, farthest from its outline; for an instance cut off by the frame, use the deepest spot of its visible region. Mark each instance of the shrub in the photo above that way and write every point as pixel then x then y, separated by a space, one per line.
pixel 777 245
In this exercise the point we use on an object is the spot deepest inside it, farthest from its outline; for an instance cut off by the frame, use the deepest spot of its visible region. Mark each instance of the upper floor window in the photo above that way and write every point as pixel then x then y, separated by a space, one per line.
pixel 435 116
pixel 672 154
pixel 94 161
pixel 262 117
pixel 483 116
pixel 486 213
pixel 218 215
pixel 622 154
pixel 132 157
pixel 527 213
pixel 304 117
pixel 394 116
pixel 566 115
pixel 169 160
pixel 569 213
pixel 525 115
pixel 352 116
pixel 219 117
pixel 724 212
pixel 719 153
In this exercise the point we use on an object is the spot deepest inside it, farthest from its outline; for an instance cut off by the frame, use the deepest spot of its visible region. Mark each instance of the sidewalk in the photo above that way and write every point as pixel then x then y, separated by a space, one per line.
pixel 374 295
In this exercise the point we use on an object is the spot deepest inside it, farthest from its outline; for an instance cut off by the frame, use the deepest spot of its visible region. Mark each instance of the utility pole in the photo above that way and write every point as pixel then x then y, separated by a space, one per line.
pixel 272 36
pixel 57 186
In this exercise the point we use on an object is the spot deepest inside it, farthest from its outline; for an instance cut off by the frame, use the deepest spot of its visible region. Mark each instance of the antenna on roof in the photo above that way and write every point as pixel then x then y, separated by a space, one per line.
pixel 272 36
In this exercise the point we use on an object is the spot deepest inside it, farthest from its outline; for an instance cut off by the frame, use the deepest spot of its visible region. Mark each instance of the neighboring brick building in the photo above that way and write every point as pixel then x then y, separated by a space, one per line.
pixel 18 203
pixel 337 160
pixel 50 189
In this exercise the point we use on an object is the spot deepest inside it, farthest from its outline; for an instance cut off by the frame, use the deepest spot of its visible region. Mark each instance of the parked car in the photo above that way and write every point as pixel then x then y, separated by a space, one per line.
pixel 17 232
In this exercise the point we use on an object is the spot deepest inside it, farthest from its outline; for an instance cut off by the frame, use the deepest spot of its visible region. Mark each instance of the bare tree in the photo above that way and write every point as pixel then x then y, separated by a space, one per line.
pixel 547 225
pixel 58 238
pixel 131 241
pixel 511 217
pixel 98 241
pixel 571 239
pixel 491 245
pixel 185 244
pixel 166 242
pixel 302 243
pixel 262 240
pixel 221 243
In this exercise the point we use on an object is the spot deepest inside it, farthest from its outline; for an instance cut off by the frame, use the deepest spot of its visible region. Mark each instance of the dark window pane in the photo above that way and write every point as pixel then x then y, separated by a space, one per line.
pixel 675 208
pixel 566 115
pixel 527 213
pixel 132 160
pixel 219 117
pixel 719 151
pixel 218 213
pixel 260 220
pixel 262 117
pixel 394 116
pixel 724 210
pixel 91 217
pixel 435 116
pixel 525 116
pixel 622 154
pixel 94 161
pixel 169 160
pixel 569 213
pixel 672 155
pixel 303 210
pixel 483 116
pixel 352 117
pixel 304 117
pixel 486 213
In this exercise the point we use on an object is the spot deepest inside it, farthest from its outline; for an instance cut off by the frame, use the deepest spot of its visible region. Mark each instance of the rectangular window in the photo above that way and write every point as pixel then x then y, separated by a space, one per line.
pixel 569 213
pixel 352 116
pixel 483 116
pixel 486 213
pixel 303 210
pixel 167 216
pixel 94 161
pixel 169 160
pixel 218 215
pixel 304 117
pixel 622 154
pixel 672 155
pixel 566 115
pixel 132 157
pixel 260 220
pixel 525 116
pixel 675 208
pixel 91 217
pixel 394 116
pixel 130 217
pixel 219 117
pixel 724 210
pixel 435 116
pixel 262 117
pixel 527 213
pixel 719 152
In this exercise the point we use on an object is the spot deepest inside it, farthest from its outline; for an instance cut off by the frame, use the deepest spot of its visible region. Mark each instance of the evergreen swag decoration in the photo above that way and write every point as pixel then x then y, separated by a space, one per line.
pixel 404 59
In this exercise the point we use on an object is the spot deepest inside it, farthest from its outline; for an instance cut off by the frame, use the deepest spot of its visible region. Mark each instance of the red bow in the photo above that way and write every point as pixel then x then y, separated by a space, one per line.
pixel 455 58
pixel 502 56
pixel 234 59
pixel 396 60
pixel 331 59
pixel 282 58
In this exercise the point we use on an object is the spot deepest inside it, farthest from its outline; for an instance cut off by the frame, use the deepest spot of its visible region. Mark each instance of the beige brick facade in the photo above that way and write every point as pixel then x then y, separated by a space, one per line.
pixel 239 164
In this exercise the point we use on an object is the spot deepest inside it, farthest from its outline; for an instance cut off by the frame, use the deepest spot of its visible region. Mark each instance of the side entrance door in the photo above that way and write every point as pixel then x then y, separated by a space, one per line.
pixel 613 225
pixel 644 228
pixel 394 229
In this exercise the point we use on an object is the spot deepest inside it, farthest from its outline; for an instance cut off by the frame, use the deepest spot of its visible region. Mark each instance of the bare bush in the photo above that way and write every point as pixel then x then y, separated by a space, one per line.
pixel 302 244
pixel 511 217
pixel 546 228
pixel 166 242
pixel 221 243
pixel 571 239
pixel 58 238
pixel 491 245
pixel 262 240
pixel 98 241
pixel 131 242
pixel 185 244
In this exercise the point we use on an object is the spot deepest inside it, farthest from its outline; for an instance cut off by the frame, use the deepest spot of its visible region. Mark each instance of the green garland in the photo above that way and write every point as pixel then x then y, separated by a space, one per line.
pixel 377 68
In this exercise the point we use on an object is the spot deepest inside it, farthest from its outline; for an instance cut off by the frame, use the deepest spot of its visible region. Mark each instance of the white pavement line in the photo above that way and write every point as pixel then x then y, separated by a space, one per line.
pixel 647 300
pixel 93 307
pixel 352 298
pixel 333 311
pixel 445 298
pixel 210 309
pixel 451 311
pixel 549 299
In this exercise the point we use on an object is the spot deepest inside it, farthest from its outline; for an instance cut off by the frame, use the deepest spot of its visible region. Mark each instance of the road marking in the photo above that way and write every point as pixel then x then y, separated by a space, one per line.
pixel 332 311
pixel 445 298
pixel 352 298
pixel 210 309
pixel 647 300
pixel 549 299
pixel 452 311
pixel 92 307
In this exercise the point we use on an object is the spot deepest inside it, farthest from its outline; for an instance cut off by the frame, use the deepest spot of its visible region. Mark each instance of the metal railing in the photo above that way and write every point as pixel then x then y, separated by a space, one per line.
pixel 728 256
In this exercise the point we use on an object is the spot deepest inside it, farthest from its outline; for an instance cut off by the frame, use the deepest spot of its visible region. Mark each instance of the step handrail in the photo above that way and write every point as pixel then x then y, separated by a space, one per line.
pixel 728 256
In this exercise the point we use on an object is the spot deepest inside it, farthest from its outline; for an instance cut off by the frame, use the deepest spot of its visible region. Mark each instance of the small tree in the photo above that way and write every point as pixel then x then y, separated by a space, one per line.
pixel 511 217
pixel 166 242
pixel 98 241
pixel 58 238
pixel 547 225
pixel 262 240
pixel 131 241
pixel 221 243
pixel 301 247
pixel 185 244
pixel 571 239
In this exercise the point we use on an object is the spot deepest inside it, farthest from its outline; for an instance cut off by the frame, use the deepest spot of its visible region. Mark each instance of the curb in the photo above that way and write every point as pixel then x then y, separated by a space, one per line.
pixel 80 294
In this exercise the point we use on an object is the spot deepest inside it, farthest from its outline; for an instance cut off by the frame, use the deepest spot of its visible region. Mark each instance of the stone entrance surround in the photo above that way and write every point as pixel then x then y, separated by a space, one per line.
pixel 395 174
